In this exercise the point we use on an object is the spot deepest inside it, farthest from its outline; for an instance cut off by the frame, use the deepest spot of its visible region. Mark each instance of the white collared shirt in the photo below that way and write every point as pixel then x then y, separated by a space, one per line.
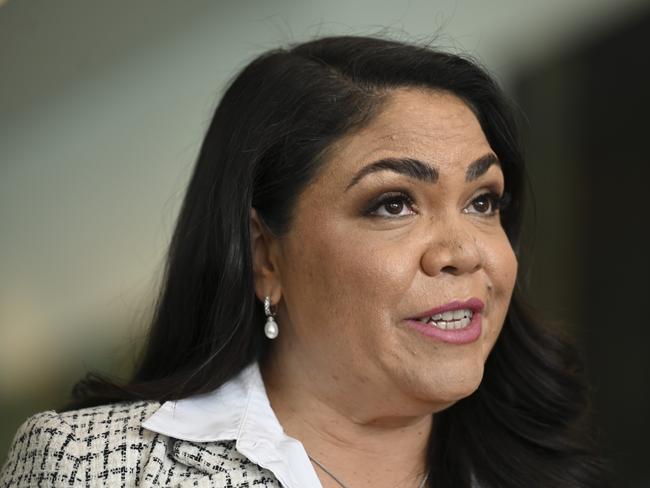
pixel 239 410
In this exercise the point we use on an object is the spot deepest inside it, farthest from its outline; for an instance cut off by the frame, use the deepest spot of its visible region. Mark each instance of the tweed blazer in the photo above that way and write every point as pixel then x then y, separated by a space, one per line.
pixel 107 446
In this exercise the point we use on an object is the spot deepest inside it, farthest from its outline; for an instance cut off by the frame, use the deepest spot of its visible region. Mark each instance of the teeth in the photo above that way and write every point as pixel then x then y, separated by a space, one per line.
pixel 457 319
pixel 454 324
pixel 447 316
pixel 459 314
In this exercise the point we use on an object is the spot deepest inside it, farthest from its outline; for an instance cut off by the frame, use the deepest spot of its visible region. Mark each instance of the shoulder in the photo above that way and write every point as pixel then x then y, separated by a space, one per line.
pixel 123 420
pixel 64 449
pixel 108 446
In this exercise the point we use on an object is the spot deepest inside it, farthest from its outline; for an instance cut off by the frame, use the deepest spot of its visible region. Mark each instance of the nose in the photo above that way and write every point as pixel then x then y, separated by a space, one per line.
pixel 454 251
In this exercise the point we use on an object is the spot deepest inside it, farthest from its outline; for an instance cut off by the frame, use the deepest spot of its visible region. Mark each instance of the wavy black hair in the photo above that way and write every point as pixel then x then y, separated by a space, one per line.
pixel 527 423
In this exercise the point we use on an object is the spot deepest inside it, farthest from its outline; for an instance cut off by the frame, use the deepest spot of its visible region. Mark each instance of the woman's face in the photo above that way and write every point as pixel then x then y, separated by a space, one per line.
pixel 371 247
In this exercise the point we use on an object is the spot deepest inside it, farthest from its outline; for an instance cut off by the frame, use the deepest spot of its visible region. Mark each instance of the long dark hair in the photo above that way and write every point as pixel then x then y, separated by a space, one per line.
pixel 526 425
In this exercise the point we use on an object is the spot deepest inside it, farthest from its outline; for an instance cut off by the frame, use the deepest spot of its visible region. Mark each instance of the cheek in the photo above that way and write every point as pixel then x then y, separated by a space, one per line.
pixel 338 280
pixel 507 274
pixel 501 267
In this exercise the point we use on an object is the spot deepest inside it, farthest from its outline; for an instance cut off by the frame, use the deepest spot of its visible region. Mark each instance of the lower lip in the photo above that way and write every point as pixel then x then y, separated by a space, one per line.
pixel 453 336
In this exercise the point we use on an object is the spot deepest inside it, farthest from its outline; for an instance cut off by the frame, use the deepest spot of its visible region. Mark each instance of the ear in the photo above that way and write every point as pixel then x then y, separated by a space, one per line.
pixel 265 252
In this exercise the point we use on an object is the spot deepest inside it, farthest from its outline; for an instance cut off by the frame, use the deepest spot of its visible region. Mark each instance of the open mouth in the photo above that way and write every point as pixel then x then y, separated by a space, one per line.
pixel 456 322
pixel 451 320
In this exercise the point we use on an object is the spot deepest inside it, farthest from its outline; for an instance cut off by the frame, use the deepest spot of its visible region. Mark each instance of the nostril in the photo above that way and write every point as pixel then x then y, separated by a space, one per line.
pixel 450 269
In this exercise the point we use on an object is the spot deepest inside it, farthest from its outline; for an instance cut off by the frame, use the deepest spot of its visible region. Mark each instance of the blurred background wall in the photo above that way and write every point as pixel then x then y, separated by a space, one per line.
pixel 103 106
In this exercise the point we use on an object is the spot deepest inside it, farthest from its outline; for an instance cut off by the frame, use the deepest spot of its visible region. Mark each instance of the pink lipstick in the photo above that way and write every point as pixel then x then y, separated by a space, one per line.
pixel 461 324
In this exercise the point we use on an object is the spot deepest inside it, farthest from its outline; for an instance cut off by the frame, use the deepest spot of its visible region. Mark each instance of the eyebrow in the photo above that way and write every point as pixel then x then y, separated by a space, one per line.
pixel 422 171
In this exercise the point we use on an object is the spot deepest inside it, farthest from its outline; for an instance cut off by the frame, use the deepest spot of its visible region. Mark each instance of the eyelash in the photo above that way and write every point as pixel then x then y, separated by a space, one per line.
pixel 497 203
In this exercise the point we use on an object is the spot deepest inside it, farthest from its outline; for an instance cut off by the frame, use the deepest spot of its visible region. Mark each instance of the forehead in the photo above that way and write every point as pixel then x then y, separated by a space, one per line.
pixel 433 126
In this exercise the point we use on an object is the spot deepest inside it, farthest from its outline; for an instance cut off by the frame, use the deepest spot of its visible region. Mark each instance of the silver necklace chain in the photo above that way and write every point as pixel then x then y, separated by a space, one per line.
pixel 343 485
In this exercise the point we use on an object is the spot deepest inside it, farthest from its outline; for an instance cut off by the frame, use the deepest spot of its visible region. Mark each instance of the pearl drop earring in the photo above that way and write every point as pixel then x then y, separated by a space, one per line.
pixel 271 329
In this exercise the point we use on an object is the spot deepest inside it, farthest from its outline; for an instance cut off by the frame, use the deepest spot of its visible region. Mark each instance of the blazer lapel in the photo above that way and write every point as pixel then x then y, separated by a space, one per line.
pixel 221 465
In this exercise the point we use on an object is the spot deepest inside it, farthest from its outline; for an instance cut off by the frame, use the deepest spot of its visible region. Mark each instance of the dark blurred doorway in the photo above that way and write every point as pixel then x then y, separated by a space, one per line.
pixel 588 133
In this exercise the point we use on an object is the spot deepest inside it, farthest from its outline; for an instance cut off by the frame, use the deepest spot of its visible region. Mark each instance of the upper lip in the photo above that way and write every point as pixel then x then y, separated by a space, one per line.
pixel 474 304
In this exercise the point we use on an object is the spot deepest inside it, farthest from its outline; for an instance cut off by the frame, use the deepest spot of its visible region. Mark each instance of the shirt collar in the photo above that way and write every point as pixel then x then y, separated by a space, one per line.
pixel 239 410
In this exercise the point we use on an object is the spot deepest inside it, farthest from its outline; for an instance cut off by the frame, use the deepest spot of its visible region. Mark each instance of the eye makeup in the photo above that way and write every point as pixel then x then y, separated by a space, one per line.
pixel 387 198
pixel 400 198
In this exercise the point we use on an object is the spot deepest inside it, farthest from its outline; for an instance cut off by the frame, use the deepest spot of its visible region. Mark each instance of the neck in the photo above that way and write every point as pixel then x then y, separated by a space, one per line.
pixel 363 446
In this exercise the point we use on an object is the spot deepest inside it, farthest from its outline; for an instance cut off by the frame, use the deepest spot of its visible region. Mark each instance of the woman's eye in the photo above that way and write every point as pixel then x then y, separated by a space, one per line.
pixel 488 203
pixel 392 206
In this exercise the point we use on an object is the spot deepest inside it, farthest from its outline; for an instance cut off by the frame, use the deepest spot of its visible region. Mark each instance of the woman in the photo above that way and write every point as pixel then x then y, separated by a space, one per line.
pixel 340 306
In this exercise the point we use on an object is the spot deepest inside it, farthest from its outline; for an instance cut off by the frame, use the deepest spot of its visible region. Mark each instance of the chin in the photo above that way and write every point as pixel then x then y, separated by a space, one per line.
pixel 447 390
pixel 463 391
